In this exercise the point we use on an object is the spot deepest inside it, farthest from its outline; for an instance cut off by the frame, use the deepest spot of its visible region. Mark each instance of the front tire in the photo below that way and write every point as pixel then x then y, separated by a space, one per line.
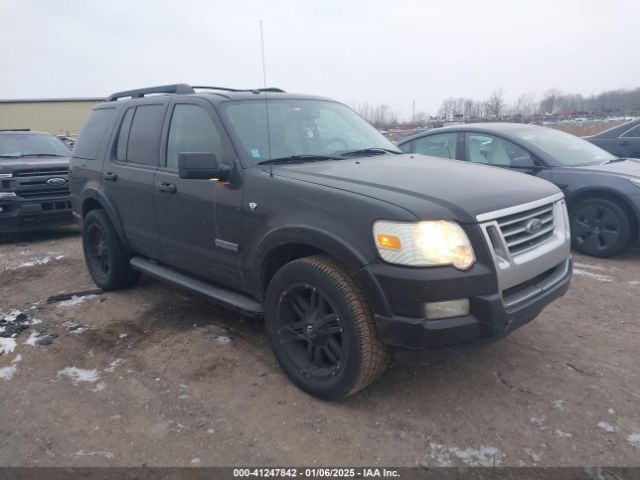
pixel 322 330
pixel 600 227
pixel 104 254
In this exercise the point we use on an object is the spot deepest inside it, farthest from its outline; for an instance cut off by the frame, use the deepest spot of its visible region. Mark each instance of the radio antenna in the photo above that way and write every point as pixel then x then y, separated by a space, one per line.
pixel 266 105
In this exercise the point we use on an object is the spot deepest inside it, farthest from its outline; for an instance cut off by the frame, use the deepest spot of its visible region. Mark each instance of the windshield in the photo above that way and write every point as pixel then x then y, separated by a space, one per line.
pixel 300 127
pixel 567 149
pixel 25 144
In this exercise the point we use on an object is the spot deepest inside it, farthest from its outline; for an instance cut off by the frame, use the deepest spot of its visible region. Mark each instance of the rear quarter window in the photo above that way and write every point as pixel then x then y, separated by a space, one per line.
pixel 93 133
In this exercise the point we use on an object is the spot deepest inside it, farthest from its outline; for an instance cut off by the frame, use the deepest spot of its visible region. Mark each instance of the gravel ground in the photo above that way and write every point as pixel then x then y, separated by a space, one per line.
pixel 156 376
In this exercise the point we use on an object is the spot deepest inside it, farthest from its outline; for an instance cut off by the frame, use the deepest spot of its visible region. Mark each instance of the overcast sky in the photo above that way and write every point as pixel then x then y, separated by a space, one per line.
pixel 362 50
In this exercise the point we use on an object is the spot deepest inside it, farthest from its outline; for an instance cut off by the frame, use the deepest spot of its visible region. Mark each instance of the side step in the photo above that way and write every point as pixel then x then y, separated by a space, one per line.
pixel 226 298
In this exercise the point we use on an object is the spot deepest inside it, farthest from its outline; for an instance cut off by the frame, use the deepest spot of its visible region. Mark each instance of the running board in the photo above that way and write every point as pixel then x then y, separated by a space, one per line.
pixel 226 298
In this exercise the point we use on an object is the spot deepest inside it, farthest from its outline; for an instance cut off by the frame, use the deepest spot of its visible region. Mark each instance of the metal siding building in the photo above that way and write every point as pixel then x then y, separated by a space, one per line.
pixel 60 116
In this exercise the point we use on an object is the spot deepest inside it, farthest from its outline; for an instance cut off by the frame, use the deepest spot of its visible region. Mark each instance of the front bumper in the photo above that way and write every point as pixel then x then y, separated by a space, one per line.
pixel 20 215
pixel 421 341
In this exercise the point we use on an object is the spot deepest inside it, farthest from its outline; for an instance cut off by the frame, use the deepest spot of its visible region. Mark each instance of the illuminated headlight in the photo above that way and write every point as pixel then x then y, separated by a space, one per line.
pixel 424 244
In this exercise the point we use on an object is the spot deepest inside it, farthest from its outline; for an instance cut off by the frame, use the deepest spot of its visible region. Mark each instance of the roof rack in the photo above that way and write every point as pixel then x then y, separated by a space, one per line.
pixel 226 89
pixel 179 88
pixel 182 89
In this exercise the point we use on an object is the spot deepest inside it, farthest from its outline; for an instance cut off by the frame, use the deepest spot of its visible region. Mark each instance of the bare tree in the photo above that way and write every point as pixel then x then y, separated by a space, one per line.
pixel 495 103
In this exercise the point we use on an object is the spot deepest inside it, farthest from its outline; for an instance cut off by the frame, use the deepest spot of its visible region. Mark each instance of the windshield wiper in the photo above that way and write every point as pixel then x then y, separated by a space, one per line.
pixel 299 159
pixel 361 152
pixel 615 160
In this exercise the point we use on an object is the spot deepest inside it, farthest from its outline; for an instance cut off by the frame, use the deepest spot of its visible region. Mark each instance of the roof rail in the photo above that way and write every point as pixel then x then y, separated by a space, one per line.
pixel 179 88
pixel 15 129
pixel 182 89
pixel 226 89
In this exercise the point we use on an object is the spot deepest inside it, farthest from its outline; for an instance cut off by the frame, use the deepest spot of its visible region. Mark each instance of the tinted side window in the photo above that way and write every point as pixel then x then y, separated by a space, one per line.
pixel 633 133
pixel 123 136
pixel 492 150
pixel 92 133
pixel 144 136
pixel 192 130
pixel 441 145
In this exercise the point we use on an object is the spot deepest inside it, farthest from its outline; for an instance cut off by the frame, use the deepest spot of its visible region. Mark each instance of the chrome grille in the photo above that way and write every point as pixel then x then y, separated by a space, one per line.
pixel 38 172
pixel 516 234
pixel 43 193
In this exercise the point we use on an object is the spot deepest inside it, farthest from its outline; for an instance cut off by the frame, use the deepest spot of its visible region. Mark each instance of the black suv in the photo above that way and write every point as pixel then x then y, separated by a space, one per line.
pixel 293 207
pixel 34 189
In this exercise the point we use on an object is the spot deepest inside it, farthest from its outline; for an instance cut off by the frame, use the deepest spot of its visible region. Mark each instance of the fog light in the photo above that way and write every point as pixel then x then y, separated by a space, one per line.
pixel 448 309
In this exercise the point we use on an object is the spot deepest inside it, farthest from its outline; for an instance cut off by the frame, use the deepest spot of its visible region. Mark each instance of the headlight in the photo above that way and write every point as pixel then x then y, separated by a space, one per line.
pixel 424 244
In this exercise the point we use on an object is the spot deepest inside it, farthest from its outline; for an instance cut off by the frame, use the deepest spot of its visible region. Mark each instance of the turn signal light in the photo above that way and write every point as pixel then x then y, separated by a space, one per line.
pixel 390 242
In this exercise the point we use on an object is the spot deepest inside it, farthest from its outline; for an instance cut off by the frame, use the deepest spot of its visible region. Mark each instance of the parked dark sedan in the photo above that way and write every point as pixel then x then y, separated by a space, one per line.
pixel 602 190
pixel 622 141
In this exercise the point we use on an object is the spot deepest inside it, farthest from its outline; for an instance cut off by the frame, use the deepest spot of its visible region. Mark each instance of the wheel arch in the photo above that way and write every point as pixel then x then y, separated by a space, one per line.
pixel 94 199
pixel 287 244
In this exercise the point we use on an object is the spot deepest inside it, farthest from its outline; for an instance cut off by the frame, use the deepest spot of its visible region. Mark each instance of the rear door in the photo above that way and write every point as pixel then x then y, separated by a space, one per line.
pixel 129 174
pixel 199 220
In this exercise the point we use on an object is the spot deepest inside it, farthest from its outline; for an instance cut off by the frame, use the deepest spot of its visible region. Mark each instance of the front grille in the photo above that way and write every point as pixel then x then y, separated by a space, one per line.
pixel 43 193
pixel 43 171
pixel 514 228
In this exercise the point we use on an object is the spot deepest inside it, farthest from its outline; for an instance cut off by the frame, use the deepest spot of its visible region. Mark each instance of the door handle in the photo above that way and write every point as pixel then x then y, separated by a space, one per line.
pixel 110 176
pixel 168 188
pixel 625 142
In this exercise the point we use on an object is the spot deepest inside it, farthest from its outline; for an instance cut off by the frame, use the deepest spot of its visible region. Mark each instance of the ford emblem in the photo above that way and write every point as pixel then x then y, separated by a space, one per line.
pixel 533 226
pixel 56 181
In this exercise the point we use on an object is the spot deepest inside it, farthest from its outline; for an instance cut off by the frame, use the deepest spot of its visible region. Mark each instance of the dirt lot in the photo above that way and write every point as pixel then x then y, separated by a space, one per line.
pixel 159 377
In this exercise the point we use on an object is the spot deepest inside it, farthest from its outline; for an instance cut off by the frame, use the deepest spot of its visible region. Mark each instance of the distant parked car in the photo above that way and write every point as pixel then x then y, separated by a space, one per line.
pixel 602 190
pixel 34 183
pixel 622 141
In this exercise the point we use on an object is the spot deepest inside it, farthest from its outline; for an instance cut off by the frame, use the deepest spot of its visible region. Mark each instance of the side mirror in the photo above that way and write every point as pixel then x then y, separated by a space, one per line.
pixel 523 162
pixel 202 166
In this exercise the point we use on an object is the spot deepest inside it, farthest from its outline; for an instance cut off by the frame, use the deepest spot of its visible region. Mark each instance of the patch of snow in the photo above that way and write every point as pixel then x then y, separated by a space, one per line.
pixel 485 456
pixel 35 261
pixel 607 427
pixel 183 397
pixel 123 335
pixel 634 282
pixel 82 453
pixel 561 434
pixel 611 411
pixel 195 461
pixel 78 375
pixel 113 365
pixel 590 267
pixel 634 440
pixel 558 404
pixel 33 338
pixel 596 276
pixel 7 345
pixel 210 431
pixel 35 321
pixel 99 387
pixel 6 373
pixel 75 300
pixel 537 421
pixel 223 340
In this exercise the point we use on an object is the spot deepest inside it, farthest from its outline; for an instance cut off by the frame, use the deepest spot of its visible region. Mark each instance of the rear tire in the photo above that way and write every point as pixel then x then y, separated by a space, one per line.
pixel 322 330
pixel 105 256
pixel 600 227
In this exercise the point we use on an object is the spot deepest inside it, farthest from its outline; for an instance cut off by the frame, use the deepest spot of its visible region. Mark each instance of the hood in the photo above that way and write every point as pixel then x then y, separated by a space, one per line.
pixel 626 168
pixel 429 187
pixel 10 165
